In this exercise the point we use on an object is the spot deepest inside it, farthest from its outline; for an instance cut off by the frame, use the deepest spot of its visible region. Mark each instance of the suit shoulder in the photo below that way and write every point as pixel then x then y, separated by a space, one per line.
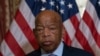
pixel 80 51
pixel 77 52
pixel 34 53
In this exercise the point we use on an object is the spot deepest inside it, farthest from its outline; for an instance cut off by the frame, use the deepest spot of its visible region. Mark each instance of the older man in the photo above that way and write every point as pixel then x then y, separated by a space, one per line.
pixel 49 33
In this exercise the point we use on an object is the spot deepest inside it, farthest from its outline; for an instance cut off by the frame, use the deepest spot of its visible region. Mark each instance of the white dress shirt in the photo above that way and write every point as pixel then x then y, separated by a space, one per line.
pixel 57 52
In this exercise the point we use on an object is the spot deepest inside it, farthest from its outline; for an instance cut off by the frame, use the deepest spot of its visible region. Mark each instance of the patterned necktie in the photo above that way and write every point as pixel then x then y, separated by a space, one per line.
pixel 52 55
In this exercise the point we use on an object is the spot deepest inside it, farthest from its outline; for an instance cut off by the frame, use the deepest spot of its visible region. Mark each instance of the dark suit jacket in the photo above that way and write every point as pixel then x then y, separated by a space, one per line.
pixel 67 51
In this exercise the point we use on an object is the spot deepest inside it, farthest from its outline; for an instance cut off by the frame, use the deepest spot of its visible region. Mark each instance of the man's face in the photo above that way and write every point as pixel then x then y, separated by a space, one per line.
pixel 48 33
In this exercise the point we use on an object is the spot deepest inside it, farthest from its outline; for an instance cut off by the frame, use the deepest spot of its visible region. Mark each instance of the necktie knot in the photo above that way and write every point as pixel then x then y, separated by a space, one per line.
pixel 52 55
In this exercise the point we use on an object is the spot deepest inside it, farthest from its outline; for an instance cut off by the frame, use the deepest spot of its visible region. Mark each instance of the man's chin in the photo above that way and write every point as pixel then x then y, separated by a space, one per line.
pixel 48 49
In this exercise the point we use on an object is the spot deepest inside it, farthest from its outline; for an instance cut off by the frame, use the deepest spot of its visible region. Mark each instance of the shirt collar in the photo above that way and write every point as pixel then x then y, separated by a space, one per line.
pixel 57 52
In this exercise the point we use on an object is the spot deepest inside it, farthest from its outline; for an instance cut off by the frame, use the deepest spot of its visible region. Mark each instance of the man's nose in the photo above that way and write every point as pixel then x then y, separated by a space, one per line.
pixel 46 32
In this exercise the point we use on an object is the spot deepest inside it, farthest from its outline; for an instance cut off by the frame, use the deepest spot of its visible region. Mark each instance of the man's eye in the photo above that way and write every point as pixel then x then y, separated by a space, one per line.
pixel 52 28
pixel 39 29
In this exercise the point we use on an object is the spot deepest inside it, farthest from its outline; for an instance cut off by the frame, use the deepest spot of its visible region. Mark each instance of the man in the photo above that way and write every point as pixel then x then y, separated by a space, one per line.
pixel 49 33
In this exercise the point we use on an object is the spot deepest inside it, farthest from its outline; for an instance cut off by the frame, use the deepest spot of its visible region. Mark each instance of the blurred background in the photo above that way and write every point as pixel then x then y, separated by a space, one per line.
pixel 8 9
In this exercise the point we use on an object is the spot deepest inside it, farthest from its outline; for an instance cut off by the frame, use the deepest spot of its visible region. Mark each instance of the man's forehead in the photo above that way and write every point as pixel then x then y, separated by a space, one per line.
pixel 47 13
pixel 47 23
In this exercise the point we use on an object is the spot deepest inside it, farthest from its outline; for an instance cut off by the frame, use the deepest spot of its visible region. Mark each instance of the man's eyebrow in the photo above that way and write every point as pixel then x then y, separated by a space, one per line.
pixel 38 24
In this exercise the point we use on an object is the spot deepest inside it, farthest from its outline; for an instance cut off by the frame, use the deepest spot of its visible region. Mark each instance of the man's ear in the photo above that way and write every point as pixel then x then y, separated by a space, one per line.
pixel 63 31
pixel 34 31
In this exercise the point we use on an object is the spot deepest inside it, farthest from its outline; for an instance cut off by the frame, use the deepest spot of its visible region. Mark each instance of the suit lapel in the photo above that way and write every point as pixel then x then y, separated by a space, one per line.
pixel 65 51
pixel 38 53
pixel 35 53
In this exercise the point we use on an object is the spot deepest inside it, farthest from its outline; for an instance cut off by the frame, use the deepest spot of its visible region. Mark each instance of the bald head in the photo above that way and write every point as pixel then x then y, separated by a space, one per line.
pixel 49 14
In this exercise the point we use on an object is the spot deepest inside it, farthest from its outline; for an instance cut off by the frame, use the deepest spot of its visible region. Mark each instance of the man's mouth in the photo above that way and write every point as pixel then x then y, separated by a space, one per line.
pixel 47 43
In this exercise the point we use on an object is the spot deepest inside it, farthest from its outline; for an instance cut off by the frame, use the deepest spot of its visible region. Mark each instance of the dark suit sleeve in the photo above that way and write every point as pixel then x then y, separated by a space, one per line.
pixel 79 52
pixel 71 51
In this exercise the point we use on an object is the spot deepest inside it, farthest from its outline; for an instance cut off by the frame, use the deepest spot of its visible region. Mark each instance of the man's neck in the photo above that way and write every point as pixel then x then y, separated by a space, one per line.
pixel 58 50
